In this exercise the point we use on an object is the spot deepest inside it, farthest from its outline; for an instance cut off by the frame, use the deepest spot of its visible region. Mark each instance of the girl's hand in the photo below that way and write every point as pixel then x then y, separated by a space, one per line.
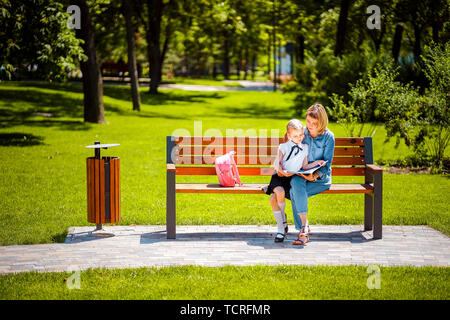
pixel 283 173
pixel 308 177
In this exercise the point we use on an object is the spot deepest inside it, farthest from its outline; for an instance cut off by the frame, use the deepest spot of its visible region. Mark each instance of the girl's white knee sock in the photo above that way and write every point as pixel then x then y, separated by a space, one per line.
pixel 282 206
pixel 279 217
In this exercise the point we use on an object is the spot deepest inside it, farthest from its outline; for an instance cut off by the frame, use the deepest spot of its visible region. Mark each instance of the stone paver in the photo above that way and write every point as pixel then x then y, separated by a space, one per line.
pixel 138 246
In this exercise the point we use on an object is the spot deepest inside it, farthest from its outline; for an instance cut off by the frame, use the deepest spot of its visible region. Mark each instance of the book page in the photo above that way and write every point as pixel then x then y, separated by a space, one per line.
pixel 309 171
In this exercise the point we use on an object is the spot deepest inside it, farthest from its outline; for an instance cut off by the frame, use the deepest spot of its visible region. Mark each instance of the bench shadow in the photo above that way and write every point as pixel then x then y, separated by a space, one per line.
pixel 259 239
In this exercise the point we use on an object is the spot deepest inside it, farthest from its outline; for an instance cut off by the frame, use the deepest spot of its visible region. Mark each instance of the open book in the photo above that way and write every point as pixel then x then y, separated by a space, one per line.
pixel 309 171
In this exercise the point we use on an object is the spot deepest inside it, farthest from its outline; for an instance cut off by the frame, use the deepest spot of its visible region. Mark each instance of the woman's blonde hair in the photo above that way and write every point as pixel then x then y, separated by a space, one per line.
pixel 317 111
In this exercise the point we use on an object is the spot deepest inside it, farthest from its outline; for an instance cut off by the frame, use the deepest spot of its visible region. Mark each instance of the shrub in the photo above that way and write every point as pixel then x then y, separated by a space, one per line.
pixel 422 121
pixel 305 99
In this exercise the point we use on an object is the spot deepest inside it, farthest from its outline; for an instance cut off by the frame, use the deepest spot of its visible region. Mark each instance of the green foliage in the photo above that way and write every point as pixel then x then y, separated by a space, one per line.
pixel 305 99
pixel 422 121
pixel 35 33
pixel 325 74
pixel 350 118
pixel 434 119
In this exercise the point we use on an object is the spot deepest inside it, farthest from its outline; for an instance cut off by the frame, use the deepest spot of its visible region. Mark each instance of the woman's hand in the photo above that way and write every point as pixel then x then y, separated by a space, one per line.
pixel 320 162
pixel 308 177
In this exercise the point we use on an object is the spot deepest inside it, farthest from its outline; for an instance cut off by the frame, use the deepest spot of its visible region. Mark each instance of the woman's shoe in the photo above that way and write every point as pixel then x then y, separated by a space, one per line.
pixel 302 238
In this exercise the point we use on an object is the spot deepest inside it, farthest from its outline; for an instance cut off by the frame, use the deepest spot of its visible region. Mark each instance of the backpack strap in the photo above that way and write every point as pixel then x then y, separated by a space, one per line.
pixel 235 170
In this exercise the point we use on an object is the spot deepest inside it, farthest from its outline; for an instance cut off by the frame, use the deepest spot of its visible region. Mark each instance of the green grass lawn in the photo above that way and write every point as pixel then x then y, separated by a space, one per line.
pixel 42 160
pixel 231 282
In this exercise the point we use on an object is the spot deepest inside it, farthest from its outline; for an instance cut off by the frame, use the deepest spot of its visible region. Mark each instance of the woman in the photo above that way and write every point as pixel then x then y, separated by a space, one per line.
pixel 320 141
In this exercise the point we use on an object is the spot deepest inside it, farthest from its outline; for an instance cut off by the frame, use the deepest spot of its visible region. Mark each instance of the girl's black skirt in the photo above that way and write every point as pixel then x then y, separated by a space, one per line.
pixel 277 181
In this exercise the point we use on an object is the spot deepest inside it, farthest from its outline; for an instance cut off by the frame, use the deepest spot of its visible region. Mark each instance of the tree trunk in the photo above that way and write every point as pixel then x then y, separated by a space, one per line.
pixel 153 42
pixel 342 26
pixel 132 68
pixel 254 65
pixel 92 78
pixel 417 48
pixel 397 42
pixel 246 63
pixel 436 26
pixel 226 59
pixel 269 55
pixel 300 49
pixel 168 34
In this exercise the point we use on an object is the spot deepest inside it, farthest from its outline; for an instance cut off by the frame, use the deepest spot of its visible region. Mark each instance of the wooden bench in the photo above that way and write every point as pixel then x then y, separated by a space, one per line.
pixel 194 156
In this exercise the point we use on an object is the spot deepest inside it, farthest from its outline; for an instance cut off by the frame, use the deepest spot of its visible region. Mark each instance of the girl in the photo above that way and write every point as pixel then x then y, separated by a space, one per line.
pixel 292 156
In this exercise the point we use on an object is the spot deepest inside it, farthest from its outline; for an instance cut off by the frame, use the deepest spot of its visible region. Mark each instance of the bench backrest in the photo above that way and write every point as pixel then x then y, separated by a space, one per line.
pixel 195 155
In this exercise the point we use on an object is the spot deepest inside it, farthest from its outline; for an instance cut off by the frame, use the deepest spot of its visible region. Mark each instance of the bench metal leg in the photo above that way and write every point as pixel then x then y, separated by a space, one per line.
pixel 368 204
pixel 378 206
pixel 170 206
pixel 368 212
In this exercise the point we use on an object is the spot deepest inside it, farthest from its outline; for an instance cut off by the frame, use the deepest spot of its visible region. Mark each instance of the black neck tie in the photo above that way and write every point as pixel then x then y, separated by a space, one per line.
pixel 292 150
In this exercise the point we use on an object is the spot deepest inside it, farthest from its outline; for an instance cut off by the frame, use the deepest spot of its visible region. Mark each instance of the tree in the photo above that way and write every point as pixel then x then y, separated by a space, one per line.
pixel 342 27
pixel 92 78
pixel 35 33
pixel 127 10
pixel 155 10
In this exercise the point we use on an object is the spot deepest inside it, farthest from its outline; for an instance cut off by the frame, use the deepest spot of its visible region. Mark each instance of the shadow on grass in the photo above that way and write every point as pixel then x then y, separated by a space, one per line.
pixel 22 104
pixel 19 139
pixel 60 237
pixel 122 92
pixel 33 107
pixel 258 110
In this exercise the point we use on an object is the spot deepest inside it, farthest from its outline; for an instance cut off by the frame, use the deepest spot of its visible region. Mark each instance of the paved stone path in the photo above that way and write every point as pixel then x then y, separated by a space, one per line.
pixel 138 246
pixel 246 86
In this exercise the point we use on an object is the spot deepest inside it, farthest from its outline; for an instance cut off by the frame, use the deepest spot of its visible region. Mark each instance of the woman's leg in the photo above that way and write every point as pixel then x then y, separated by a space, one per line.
pixel 299 200
pixel 312 188
pixel 301 190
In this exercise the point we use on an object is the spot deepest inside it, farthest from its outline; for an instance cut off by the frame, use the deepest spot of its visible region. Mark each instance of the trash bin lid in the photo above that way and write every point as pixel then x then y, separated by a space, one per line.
pixel 108 145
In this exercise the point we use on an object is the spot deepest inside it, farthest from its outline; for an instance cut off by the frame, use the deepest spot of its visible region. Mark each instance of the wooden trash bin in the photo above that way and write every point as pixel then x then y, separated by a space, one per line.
pixel 103 188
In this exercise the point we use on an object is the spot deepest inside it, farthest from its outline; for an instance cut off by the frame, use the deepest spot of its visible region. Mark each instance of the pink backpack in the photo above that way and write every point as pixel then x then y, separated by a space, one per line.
pixel 227 171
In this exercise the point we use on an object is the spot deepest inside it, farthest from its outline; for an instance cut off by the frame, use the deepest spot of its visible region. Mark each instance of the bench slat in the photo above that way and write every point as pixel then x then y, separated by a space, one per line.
pixel 214 151
pixel 260 171
pixel 261 160
pixel 255 188
pixel 258 141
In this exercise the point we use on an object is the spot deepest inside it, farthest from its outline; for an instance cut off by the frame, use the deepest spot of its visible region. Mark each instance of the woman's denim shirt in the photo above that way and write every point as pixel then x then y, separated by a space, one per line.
pixel 321 148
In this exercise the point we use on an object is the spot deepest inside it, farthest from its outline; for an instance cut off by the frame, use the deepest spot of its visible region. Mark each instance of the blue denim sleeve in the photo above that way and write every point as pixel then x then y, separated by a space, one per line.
pixel 327 155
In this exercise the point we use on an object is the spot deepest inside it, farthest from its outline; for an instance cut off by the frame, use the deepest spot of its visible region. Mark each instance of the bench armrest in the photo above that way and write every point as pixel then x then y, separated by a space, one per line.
pixel 171 167
pixel 373 168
